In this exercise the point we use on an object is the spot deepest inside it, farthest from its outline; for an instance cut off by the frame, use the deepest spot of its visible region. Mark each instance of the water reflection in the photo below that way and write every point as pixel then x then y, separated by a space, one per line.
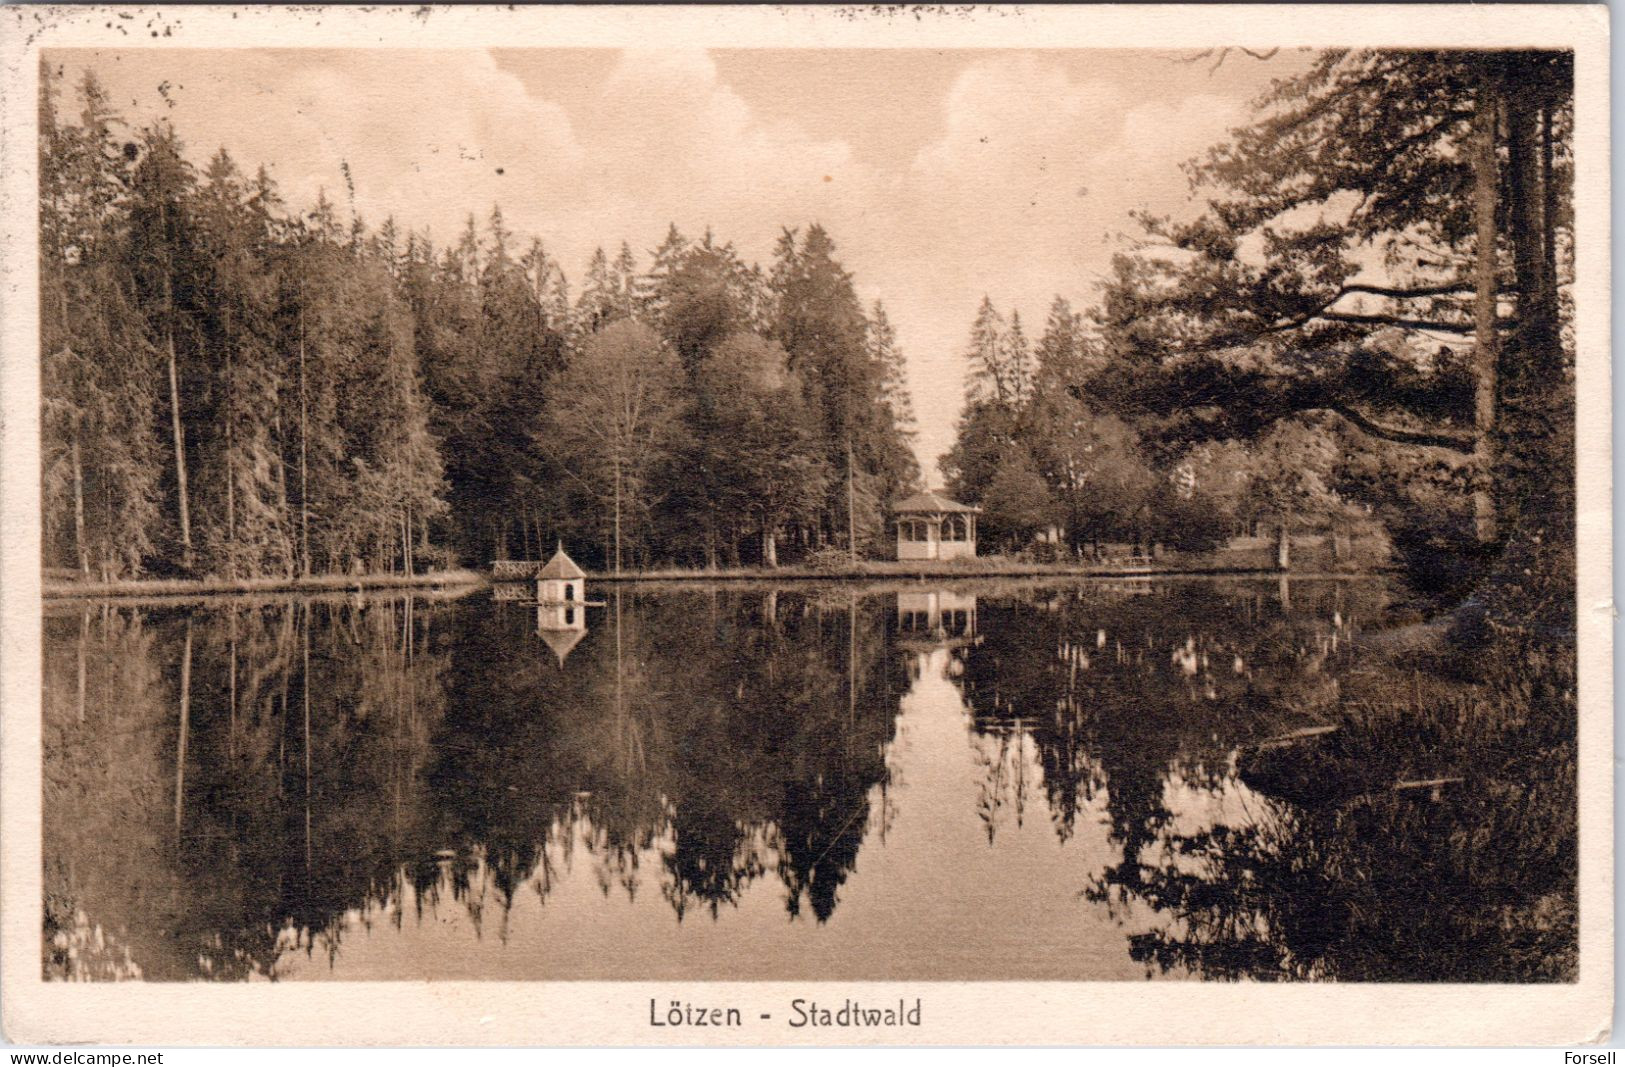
pixel 997 781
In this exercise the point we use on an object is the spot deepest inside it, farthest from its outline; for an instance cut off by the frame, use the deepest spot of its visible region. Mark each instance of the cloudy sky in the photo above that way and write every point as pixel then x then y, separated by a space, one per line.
pixel 941 175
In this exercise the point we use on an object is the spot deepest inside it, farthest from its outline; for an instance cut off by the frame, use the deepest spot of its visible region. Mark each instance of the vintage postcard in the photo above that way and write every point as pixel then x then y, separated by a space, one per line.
pixel 685 525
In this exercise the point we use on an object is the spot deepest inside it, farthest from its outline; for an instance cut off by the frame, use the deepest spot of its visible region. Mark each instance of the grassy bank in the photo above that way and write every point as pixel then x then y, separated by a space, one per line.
pixel 861 569
pixel 980 567
pixel 58 587
pixel 320 583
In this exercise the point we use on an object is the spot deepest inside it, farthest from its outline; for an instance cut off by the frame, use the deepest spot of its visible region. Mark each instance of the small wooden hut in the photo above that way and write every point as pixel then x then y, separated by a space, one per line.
pixel 560 581
pixel 561 603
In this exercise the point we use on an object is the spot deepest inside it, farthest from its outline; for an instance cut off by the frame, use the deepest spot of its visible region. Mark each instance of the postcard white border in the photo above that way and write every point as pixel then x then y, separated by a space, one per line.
pixel 983 1013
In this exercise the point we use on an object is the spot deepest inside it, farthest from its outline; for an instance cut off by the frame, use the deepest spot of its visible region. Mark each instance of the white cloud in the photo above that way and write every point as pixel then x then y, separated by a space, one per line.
pixel 423 132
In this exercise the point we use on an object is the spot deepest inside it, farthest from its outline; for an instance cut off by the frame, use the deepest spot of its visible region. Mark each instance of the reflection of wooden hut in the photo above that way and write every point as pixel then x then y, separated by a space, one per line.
pixel 560 638
pixel 930 526
pixel 936 619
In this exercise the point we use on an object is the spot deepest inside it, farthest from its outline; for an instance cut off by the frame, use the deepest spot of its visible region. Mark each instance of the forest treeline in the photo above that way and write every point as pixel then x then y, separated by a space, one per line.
pixel 1040 450
pixel 235 387
pixel 1365 318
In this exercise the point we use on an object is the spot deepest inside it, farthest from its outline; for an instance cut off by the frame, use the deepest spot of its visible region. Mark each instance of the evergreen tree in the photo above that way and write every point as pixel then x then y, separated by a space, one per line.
pixel 1454 166
pixel 164 254
pixel 701 300
pixel 885 354
pixel 1066 355
pixel 989 379
pixel 821 326
pixel 1015 356
pixel 242 482
pixel 102 461
pixel 651 288
pixel 626 283
pixel 600 302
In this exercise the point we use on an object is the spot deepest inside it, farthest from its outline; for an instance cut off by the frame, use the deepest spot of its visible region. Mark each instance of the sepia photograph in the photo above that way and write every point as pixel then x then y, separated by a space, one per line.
pixel 867 521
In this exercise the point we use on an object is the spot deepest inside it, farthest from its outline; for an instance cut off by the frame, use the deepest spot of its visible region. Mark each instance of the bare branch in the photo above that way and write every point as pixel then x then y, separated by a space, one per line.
pixel 1456 442
pixel 1394 320
pixel 1219 55
pixel 1397 293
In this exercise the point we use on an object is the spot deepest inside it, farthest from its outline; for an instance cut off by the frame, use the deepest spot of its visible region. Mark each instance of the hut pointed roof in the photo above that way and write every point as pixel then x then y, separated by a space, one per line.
pixel 933 503
pixel 561 566
pixel 562 641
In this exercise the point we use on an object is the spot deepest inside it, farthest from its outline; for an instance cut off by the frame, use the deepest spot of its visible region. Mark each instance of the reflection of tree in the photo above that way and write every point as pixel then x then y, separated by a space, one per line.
pixel 443 761
pixel 1001 753
pixel 781 724
pixel 1341 876
pixel 1124 690
pixel 246 853
pixel 1393 888
pixel 1129 692
pixel 106 772
pixel 1359 881
pixel 716 731
pixel 496 804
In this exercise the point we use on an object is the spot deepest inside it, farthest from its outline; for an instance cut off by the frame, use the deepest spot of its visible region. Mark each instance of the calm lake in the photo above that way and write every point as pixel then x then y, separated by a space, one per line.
pixel 992 780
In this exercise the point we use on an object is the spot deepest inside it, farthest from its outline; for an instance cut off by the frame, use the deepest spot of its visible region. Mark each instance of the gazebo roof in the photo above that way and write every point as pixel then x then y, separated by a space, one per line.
pixel 561 566
pixel 932 503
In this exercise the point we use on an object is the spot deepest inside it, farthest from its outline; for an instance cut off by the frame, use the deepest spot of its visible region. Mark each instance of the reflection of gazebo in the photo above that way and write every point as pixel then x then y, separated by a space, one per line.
pixel 930 526
pixel 935 620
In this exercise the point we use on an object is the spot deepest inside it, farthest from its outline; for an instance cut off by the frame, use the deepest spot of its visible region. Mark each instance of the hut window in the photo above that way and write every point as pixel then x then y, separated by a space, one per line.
pixel 953 528
pixel 569 590
pixel 569 616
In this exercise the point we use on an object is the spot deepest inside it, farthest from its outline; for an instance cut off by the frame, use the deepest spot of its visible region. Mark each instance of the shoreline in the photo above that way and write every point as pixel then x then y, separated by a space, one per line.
pixel 871 571
pixel 951 573
pixel 316 583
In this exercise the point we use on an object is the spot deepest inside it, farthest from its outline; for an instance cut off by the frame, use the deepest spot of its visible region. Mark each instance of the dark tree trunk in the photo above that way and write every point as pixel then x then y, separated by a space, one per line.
pixel 185 724
pixel 304 436
pixel 79 510
pixel 1530 365
pixel 180 449
pixel 1486 339
pixel 1530 586
pixel 185 515
pixel 231 462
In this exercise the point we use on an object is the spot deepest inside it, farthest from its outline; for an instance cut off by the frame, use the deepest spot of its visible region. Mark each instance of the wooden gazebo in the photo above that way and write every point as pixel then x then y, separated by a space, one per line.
pixel 930 526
